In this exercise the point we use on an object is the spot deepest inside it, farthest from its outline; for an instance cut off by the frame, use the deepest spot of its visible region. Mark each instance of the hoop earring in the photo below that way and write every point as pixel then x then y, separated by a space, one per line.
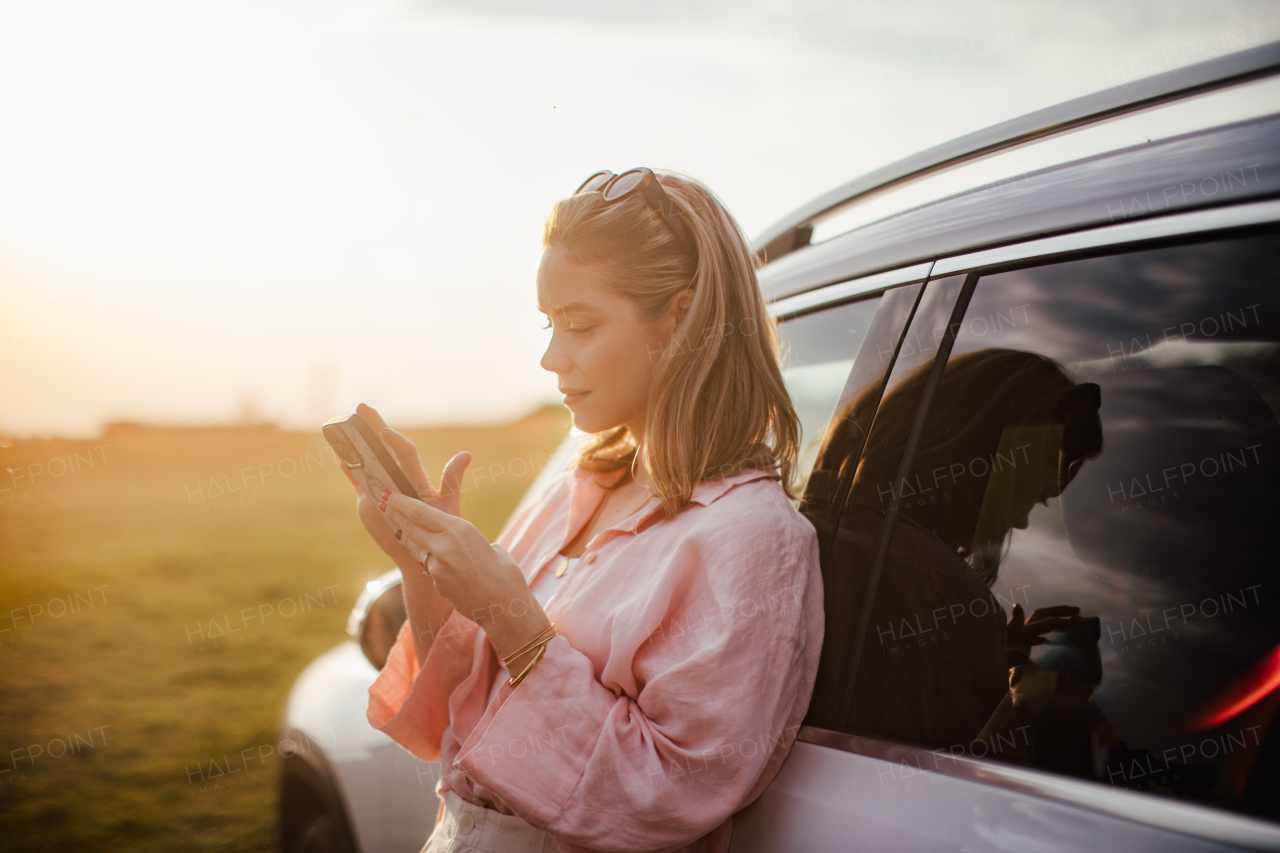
pixel 635 458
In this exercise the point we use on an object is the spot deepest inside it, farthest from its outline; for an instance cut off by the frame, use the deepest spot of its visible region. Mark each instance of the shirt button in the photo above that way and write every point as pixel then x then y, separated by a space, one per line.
pixel 590 558
pixel 466 823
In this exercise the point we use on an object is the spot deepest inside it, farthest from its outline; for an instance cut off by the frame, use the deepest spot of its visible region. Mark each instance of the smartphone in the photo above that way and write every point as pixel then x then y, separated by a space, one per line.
pixel 370 462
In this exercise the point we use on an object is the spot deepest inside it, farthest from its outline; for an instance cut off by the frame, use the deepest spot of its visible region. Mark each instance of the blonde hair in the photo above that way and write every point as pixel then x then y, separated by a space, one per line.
pixel 717 403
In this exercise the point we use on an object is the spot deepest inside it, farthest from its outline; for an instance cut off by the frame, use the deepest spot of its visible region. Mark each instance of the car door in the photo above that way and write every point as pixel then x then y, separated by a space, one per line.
pixel 1086 448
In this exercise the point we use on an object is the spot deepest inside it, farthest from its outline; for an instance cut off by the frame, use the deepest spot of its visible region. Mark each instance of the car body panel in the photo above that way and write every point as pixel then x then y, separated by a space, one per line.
pixel 820 795
pixel 414 803
pixel 327 704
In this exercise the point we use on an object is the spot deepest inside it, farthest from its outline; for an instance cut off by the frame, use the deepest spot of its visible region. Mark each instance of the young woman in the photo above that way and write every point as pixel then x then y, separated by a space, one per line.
pixel 630 664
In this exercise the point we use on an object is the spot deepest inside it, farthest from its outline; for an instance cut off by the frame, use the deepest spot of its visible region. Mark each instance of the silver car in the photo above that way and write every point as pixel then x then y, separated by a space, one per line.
pixel 1038 374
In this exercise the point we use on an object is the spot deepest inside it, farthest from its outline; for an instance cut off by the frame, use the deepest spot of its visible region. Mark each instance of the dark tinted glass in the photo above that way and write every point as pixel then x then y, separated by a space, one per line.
pixel 1081 576
pixel 849 543
pixel 819 351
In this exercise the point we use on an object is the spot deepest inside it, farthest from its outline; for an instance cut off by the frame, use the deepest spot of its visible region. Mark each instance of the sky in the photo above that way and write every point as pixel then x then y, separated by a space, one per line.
pixel 219 212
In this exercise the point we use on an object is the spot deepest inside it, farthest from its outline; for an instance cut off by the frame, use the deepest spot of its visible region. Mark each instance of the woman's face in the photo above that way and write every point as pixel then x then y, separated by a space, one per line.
pixel 1027 474
pixel 602 351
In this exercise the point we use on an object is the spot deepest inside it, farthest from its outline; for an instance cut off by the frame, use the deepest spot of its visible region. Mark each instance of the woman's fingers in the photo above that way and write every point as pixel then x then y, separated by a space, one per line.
pixel 371 416
pixel 400 508
pixel 406 453
pixel 458 552
pixel 426 530
pixel 1040 627
pixel 1058 610
pixel 451 479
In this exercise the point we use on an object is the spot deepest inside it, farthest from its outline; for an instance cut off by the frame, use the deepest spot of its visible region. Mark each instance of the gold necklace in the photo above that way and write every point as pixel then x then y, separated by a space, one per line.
pixel 564 564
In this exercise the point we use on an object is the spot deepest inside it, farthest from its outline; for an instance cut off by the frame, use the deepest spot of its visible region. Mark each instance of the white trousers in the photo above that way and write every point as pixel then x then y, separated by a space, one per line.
pixel 468 828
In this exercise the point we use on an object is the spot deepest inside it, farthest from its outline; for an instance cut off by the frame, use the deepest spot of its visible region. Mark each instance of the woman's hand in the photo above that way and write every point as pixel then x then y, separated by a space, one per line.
pixel 448 498
pixel 481 580
pixel 1024 632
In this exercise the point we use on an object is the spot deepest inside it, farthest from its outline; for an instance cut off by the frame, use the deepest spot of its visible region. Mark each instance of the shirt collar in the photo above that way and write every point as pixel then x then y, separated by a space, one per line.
pixel 708 492
pixel 587 483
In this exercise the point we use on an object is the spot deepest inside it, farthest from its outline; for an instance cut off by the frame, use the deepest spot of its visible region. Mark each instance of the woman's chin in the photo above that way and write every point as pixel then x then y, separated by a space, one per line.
pixel 585 422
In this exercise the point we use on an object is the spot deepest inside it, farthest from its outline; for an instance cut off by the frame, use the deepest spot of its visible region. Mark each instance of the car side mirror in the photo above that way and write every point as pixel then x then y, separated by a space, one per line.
pixel 377 616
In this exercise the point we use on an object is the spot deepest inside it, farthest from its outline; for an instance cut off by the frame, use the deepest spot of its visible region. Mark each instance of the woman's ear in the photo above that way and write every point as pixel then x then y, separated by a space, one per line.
pixel 681 304
pixel 677 310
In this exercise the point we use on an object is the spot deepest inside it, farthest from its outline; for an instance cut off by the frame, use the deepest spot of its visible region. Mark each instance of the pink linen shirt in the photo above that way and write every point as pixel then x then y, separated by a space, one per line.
pixel 684 664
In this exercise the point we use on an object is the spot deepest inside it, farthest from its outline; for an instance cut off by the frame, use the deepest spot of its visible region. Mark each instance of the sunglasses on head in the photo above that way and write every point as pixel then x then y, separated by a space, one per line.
pixel 614 187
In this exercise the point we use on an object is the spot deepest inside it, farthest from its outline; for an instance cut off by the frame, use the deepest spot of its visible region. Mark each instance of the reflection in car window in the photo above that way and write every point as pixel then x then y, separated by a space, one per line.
pixel 1080 578
pixel 819 351
pixel 846 555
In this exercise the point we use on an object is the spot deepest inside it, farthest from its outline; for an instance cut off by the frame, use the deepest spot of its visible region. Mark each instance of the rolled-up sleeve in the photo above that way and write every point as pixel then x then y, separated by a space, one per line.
pixel 721 678
pixel 411 702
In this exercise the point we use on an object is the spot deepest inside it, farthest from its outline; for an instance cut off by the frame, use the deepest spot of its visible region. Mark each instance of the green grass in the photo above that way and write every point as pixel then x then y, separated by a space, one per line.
pixel 141 535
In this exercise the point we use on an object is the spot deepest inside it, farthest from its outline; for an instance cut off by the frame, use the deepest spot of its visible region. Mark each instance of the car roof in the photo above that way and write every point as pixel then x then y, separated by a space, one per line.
pixel 1126 183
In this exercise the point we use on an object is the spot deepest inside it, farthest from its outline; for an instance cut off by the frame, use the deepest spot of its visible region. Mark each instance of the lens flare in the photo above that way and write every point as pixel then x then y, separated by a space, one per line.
pixel 1250 689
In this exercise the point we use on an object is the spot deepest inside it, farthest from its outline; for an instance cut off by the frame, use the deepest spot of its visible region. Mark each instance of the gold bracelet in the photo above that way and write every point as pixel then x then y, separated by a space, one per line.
pixel 550 631
pixel 517 679
pixel 543 635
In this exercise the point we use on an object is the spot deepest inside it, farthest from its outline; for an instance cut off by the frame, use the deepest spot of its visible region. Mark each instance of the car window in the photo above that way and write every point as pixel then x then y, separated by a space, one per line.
pixel 819 351
pixel 1080 578
pixel 848 543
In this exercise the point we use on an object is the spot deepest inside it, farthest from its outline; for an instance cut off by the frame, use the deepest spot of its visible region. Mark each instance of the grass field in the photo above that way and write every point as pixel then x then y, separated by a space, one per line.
pixel 121 557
